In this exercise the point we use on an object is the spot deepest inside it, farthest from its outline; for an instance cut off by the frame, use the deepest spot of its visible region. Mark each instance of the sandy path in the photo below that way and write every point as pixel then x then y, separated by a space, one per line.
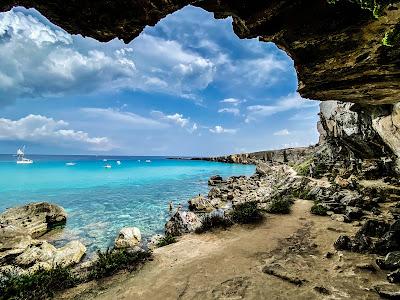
pixel 228 264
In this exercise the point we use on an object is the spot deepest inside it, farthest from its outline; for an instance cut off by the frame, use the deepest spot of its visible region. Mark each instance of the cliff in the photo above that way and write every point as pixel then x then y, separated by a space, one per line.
pixel 337 48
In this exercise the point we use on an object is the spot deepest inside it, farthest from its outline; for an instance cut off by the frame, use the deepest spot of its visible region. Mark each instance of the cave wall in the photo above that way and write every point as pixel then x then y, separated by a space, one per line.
pixel 337 49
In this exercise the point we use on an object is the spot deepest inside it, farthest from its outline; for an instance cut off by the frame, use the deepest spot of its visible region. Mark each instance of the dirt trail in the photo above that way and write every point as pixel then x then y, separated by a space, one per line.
pixel 229 265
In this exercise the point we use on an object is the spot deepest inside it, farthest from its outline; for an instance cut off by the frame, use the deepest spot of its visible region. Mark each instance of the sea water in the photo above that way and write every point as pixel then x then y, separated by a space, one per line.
pixel 100 201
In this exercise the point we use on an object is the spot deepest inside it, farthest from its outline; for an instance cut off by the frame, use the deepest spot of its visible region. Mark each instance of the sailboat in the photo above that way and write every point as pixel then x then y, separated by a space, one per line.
pixel 21 157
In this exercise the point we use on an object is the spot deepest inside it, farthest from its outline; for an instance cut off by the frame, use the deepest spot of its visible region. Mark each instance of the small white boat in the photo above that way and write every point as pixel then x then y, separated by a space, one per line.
pixel 21 157
pixel 118 162
pixel 148 160
pixel 105 159
pixel 107 166
pixel 70 164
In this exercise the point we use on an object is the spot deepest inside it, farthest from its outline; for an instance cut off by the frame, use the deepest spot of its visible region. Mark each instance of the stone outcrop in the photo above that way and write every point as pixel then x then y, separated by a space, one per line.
pixel 35 219
pixel 182 222
pixel 337 49
pixel 128 237
pixel 358 133
pixel 20 248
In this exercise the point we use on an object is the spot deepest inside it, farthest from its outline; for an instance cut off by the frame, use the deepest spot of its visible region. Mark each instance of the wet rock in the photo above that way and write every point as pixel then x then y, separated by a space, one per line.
pixel 394 277
pixel 390 262
pixel 128 237
pixel 200 203
pixel 343 243
pixel 215 180
pixel 35 218
pixel 182 222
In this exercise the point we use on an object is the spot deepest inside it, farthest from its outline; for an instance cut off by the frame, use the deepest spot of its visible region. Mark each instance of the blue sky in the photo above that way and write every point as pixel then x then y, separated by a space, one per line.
pixel 188 86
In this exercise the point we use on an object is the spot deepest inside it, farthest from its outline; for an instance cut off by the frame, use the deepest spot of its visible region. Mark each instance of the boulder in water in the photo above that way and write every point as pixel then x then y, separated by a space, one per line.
pixel 182 222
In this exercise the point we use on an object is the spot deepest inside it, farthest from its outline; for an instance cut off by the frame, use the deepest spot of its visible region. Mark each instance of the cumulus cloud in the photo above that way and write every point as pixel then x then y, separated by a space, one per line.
pixel 38 60
pixel 37 128
pixel 123 118
pixel 219 129
pixel 290 102
pixel 230 110
pixel 282 132
pixel 176 118
pixel 232 101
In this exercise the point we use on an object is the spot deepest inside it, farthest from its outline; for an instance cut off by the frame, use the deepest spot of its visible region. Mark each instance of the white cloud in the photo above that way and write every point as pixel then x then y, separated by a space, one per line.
pixel 37 128
pixel 290 102
pixel 229 110
pixel 123 118
pixel 194 128
pixel 232 101
pixel 39 60
pixel 282 132
pixel 176 118
pixel 219 129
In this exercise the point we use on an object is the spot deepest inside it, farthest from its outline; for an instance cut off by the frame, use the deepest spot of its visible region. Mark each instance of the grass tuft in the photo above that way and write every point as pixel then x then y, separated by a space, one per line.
pixel 166 240
pixel 112 261
pixel 318 209
pixel 280 205
pixel 42 284
pixel 210 222
pixel 246 213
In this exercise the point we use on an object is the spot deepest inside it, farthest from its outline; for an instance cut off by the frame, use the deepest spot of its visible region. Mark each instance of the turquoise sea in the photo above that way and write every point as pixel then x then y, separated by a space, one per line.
pixel 100 201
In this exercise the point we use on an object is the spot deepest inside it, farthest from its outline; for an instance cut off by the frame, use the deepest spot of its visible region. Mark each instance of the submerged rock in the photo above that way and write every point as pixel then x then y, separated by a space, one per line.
pixel 35 218
pixel 128 237
pixel 182 222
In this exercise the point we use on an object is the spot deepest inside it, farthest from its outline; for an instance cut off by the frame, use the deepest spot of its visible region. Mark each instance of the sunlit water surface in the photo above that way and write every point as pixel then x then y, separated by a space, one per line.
pixel 100 201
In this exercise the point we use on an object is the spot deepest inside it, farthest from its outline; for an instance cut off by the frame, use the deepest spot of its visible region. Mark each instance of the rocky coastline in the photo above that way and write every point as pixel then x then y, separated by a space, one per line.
pixel 342 183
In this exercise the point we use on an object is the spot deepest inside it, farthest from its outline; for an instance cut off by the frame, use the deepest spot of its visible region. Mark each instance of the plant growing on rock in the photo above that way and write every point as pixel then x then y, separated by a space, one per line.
pixel 210 222
pixel 246 213
pixel 112 261
pixel 280 205
pixel 41 284
pixel 166 240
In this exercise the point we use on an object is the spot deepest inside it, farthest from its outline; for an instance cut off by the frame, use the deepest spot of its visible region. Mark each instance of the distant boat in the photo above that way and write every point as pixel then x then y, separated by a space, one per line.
pixel 70 164
pixel 118 162
pixel 107 166
pixel 21 157
pixel 105 159
pixel 148 160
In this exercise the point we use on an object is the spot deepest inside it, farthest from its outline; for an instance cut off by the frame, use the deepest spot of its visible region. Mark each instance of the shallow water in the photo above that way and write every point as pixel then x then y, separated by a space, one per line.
pixel 100 201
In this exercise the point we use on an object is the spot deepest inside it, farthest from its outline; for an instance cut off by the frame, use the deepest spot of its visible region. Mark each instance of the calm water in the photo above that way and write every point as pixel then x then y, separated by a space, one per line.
pixel 100 201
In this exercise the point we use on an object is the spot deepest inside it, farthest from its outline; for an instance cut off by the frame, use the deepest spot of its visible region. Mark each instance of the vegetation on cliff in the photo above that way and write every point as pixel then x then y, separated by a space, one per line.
pixel 377 7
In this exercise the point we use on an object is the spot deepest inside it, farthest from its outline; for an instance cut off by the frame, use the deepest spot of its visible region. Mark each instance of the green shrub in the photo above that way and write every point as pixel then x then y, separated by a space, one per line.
pixel 303 169
pixel 41 284
pixel 112 261
pixel 210 222
pixel 246 213
pixel 280 205
pixel 319 209
pixel 166 240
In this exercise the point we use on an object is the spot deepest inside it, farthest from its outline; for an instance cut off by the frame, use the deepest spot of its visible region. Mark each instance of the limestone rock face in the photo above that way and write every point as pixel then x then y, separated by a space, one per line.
pixel 13 241
pixel 128 237
pixel 45 255
pixel 388 128
pixel 337 49
pixel 35 218
pixel 182 222
pixel 200 203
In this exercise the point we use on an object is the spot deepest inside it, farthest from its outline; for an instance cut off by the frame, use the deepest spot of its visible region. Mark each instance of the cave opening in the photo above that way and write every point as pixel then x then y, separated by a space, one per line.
pixel 186 86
